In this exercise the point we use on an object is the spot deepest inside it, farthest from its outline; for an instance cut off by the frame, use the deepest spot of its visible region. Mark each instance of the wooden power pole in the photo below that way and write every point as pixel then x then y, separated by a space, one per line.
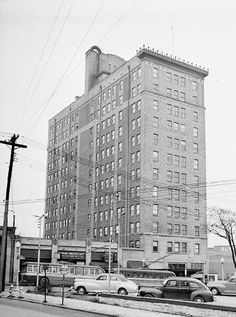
pixel 13 144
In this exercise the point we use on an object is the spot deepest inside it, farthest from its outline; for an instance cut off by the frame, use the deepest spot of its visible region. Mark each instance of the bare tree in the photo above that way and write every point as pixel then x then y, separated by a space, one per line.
pixel 222 222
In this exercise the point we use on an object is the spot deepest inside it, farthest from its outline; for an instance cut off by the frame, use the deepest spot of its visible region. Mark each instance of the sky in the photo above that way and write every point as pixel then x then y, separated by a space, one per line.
pixel 42 56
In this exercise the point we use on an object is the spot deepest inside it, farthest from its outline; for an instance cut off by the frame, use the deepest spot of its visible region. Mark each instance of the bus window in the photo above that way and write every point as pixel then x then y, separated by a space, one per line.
pixel 92 271
pixel 54 269
pixel 86 271
pixel 79 271
pixel 72 270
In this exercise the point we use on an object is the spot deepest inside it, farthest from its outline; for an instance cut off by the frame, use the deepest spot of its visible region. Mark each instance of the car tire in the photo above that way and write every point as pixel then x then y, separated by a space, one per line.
pixel 199 299
pixel 215 291
pixel 122 291
pixel 44 282
pixel 148 295
pixel 81 290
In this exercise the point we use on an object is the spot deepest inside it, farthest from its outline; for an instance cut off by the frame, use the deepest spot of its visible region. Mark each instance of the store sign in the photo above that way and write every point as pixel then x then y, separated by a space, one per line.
pixel 72 255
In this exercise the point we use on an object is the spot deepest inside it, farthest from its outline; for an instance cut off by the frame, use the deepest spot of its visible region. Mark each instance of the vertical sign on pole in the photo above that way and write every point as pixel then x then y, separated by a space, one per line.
pixel 63 270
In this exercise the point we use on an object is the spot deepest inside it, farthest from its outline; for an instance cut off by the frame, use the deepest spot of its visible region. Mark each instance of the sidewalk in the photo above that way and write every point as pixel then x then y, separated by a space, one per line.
pixel 86 306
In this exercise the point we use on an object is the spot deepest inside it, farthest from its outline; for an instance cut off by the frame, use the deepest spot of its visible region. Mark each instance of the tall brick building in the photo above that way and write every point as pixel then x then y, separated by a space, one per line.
pixel 128 158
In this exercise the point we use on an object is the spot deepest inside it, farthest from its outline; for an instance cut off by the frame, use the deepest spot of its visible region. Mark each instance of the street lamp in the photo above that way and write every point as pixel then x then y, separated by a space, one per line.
pixel 18 263
pixel 39 245
pixel 222 260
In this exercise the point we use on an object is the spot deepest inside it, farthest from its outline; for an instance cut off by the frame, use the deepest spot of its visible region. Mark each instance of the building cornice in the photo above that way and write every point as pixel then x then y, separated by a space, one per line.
pixel 148 53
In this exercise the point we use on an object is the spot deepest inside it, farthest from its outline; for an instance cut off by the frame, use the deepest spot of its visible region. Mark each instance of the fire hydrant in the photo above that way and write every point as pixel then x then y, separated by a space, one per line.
pixel 11 290
pixel 20 292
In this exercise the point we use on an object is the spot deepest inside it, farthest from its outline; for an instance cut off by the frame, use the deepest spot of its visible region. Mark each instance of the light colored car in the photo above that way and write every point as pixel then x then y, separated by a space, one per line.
pixel 220 287
pixel 181 288
pixel 119 284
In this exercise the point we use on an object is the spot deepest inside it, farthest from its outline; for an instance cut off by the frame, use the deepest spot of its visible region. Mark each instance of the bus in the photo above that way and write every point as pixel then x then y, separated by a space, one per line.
pixel 145 277
pixel 28 274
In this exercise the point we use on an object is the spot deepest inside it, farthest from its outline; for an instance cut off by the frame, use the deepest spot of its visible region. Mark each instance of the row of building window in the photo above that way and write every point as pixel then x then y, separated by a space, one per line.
pixel 176 247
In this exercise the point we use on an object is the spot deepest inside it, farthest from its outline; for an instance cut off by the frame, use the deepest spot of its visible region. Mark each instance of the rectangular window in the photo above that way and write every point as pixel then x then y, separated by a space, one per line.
pixel 184 230
pixel 169 247
pixel 182 81
pixel 155 209
pixel 139 72
pixel 169 176
pixel 169 125
pixel 177 229
pixel 168 92
pixel 196 164
pixel 196 248
pixel 155 156
pixel 138 137
pixel 155 138
pixel 195 148
pixel 183 178
pixel 155 173
pixel 155 191
pixel 155 105
pixel 196 231
pixel 196 197
pixel 177 212
pixel 169 210
pixel 195 132
pixel 176 127
pixel 168 77
pixel 183 145
pixel 176 195
pixel 155 72
pixel 155 122
pixel 155 227
pixel 182 96
pixel 134 76
pixel 169 142
pixel 183 161
pixel 194 100
pixel 184 212
pixel 169 109
pixel 183 113
pixel 176 144
pixel 196 214
pixel 177 247
pixel 176 160
pixel 138 89
pixel 176 79
pixel 154 246
pixel 176 111
pixel 175 94
pixel 169 228
pixel 169 158
pixel 183 128
pixel 184 247
pixel 176 177
pixel 133 92
pixel 195 116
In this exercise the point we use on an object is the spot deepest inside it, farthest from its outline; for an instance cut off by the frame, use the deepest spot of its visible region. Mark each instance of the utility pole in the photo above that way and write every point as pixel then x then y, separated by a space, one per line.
pixel 13 144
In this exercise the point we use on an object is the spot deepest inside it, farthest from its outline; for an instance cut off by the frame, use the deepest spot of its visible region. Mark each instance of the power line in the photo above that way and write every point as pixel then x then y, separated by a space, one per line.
pixel 36 68
pixel 49 57
pixel 67 67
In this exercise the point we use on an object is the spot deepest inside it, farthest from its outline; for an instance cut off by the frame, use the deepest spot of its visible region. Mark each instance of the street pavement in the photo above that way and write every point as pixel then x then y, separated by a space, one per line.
pixel 82 306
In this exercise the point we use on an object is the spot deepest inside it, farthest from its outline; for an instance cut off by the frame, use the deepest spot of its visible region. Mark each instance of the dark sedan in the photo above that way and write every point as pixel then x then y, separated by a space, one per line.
pixel 181 288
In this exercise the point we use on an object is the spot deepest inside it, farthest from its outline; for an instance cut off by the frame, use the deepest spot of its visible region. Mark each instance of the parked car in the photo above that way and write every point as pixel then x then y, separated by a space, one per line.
pixel 221 287
pixel 181 288
pixel 119 284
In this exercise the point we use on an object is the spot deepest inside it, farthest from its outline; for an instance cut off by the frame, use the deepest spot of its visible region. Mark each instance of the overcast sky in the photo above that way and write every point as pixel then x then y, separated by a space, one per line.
pixel 42 50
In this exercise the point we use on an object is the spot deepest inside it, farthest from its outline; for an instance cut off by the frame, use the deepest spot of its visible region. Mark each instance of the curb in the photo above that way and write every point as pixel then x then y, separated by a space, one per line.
pixel 58 305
